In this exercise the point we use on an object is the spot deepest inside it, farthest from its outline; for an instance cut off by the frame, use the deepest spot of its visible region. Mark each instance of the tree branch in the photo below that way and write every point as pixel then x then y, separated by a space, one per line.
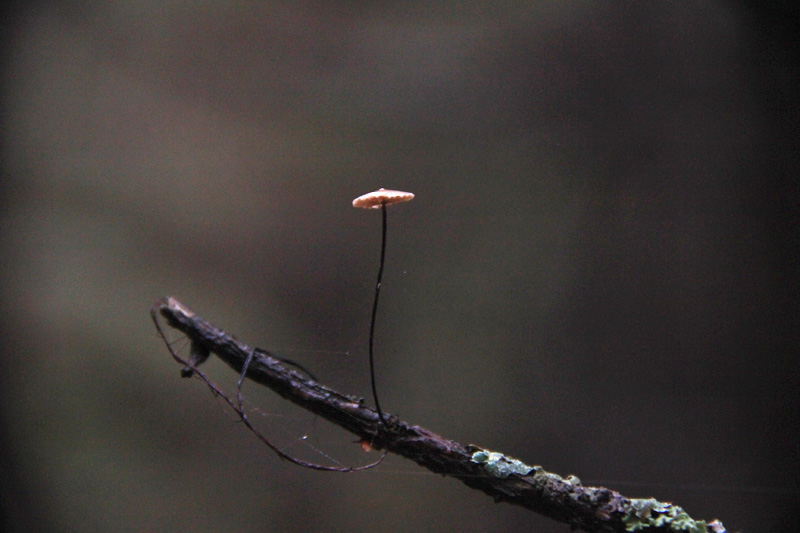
pixel 594 509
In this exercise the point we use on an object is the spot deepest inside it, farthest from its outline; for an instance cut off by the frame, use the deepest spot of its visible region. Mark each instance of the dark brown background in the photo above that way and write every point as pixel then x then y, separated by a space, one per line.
pixel 597 274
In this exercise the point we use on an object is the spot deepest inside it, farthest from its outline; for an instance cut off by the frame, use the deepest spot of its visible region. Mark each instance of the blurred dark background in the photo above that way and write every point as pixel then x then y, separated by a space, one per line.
pixel 597 274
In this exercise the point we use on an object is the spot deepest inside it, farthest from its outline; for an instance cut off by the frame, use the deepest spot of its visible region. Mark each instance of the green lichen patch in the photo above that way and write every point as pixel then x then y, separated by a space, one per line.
pixel 499 465
pixel 642 514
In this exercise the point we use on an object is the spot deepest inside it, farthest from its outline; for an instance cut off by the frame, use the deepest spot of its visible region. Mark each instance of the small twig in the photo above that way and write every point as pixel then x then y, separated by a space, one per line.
pixel 595 509
pixel 199 352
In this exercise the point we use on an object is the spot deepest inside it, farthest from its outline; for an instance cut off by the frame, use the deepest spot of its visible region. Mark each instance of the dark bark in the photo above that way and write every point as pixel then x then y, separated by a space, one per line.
pixel 503 478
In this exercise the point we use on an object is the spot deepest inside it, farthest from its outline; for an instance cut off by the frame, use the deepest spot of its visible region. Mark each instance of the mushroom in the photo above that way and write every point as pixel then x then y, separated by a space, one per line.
pixel 381 197
pixel 379 200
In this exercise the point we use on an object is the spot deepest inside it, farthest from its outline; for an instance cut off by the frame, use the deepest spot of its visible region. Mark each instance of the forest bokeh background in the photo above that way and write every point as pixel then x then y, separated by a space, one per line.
pixel 597 274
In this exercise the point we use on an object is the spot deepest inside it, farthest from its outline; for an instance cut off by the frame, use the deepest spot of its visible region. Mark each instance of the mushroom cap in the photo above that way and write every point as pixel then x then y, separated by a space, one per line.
pixel 375 199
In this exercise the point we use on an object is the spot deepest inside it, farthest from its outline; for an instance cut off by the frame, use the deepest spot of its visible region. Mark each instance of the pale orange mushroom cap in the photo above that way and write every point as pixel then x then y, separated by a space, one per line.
pixel 374 199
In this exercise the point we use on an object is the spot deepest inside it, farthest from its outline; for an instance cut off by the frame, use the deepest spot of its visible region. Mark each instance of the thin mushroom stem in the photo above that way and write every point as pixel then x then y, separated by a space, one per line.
pixel 375 314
